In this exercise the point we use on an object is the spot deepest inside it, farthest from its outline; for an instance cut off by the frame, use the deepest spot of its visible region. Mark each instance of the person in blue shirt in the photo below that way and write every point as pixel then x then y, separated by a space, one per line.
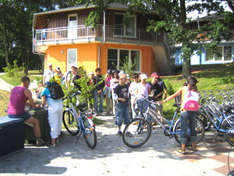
pixel 55 114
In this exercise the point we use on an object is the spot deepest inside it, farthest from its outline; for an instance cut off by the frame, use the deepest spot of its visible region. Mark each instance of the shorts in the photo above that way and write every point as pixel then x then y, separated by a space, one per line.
pixel 24 116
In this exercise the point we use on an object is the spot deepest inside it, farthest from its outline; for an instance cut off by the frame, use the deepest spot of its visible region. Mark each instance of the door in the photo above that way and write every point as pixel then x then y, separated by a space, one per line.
pixel 71 58
pixel 72 26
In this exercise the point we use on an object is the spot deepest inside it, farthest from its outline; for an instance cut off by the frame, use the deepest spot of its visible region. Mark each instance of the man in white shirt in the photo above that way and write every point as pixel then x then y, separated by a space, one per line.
pixel 48 74
pixel 133 91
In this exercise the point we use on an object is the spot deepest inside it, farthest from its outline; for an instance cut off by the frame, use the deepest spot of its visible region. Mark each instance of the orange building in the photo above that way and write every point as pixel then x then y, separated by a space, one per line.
pixel 64 40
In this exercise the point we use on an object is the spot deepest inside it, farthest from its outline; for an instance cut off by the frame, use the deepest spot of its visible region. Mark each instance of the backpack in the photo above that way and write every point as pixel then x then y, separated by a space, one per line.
pixel 191 101
pixel 56 90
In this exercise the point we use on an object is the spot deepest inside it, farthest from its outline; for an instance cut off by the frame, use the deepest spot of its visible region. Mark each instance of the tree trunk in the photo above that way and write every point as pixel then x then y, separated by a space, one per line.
pixel 186 67
pixel 26 59
pixel 5 45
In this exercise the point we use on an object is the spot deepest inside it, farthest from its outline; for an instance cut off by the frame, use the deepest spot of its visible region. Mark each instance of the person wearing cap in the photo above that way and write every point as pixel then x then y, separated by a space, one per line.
pixel 113 83
pixel 48 74
pixel 58 75
pixel 188 116
pixel 158 88
pixel 98 91
pixel 142 91
pixel 107 92
pixel 122 108
pixel 132 92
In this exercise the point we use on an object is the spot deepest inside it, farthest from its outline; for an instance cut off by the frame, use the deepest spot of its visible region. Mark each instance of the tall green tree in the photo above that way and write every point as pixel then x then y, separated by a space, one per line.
pixel 173 19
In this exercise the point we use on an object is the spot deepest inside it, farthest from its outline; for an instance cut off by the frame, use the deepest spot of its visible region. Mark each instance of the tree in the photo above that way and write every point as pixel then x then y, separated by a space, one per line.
pixel 173 19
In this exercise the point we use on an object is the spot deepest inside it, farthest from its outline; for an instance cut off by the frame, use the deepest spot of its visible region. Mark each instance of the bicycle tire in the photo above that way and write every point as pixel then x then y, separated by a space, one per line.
pixel 70 123
pixel 225 125
pixel 89 133
pixel 205 120
pixel 135 129
pixel 200 131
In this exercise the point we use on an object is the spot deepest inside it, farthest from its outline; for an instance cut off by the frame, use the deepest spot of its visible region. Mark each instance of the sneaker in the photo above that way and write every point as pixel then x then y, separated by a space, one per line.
pixel 40 142
pixel 120 133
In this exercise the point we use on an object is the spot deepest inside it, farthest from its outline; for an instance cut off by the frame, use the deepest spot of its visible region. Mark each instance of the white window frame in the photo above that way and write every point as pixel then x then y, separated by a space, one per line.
pixel 124 27
pixel 222 60
pixel 68 50
pixel 129 57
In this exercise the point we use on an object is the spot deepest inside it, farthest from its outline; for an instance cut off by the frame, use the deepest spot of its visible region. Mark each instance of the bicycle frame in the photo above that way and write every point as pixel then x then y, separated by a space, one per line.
pixel 154 116
pixel 219 119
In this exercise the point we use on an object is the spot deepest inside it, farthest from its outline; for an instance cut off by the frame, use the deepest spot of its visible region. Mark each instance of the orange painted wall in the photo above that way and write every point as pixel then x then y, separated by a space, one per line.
pixel 146 56
pixel 87 55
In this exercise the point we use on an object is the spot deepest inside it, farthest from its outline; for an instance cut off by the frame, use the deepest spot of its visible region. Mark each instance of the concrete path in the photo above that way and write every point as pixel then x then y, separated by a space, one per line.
pixel 112 158
pixel 4 85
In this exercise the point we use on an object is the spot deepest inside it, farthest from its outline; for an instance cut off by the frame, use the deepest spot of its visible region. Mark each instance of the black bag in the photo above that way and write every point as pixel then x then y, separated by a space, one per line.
pixel 56 90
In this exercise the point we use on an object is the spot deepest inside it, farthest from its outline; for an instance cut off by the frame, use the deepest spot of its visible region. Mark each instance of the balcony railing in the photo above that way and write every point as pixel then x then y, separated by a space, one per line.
pixel 81 32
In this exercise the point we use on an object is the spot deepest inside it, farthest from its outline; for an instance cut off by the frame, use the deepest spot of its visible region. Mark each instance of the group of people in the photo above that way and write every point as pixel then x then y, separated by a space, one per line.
pixel 124 97
pixel 127 94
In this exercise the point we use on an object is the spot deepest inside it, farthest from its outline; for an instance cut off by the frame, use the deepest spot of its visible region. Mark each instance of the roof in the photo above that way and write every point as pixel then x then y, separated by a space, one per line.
pixel 117 6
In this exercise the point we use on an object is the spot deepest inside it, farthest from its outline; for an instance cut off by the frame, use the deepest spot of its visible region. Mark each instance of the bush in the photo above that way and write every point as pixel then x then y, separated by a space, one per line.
pixel 170 89
pixel 14 71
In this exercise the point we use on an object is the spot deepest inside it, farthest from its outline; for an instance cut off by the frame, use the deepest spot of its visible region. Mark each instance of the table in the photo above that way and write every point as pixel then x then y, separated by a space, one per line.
pixel 42 116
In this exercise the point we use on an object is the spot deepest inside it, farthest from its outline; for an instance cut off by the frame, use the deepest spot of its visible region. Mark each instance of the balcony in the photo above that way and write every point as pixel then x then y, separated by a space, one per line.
pixel 78 34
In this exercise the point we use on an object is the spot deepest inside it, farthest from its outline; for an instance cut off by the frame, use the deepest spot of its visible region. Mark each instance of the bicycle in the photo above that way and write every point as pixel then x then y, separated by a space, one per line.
pixel 78 123
pixel 138 131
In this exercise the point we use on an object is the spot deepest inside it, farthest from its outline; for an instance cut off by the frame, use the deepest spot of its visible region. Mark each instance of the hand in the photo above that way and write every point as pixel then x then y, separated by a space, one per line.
pixel 99 91
pixel 38 105
pixel 160 102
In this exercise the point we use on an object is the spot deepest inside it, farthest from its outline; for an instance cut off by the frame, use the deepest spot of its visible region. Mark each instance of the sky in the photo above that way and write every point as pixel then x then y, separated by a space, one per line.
pixel 195 14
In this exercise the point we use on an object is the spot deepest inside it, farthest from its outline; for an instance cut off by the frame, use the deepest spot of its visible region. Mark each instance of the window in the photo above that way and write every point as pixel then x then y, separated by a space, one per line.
pixel 117 58
pixel 220 54
pixel 227 53
pixel 125 26
pixel 71 58
pixel 112 61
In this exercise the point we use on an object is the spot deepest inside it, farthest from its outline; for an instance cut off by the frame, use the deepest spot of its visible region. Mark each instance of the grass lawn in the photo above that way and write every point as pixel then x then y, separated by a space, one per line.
pixel 209 79
pixel 33 74
pixel 4 98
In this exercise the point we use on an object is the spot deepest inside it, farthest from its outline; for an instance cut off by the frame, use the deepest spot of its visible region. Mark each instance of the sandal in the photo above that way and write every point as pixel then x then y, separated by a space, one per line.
pixel 182 151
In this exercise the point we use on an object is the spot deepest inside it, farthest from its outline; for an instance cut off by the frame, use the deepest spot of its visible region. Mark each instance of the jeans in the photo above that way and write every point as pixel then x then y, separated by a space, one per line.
pixel 122 113
pixel 188 122
pixel 98 109
pixel 141 106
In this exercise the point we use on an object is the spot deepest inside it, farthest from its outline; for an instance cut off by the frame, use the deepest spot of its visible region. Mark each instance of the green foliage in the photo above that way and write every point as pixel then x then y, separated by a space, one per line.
pixel 170 89
pixel 227 80
pixel 14 70
pixel 86 90
pixel 128 67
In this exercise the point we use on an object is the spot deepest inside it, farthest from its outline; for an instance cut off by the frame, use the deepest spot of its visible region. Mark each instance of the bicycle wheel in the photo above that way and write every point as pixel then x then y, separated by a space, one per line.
pixel 199 127
pixel 229 125
pixel 89 133
pixel 205 120
pixel 70 123
pixel 136 133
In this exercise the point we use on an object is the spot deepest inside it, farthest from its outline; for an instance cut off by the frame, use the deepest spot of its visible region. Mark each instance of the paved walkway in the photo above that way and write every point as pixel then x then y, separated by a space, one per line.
pixel 5 86
pixel 112 158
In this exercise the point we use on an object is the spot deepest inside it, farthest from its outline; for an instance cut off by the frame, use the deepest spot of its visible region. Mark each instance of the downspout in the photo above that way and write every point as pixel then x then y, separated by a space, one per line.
pixel 33 50
pixel 104 38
